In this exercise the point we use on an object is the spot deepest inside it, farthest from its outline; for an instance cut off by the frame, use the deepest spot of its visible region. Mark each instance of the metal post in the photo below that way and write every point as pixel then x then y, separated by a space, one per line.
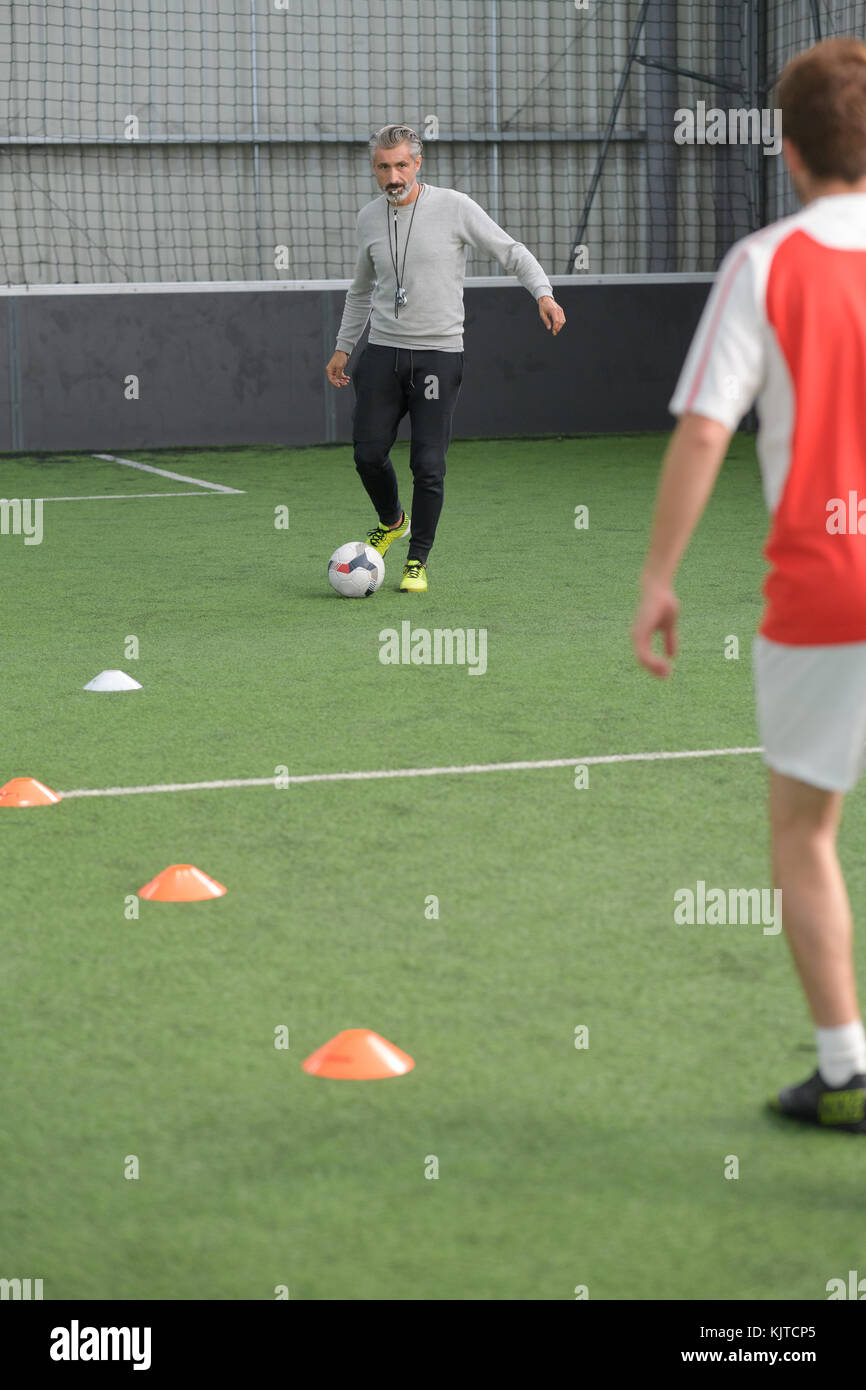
pixel 661 152
pixel 608 135
pixel 493 71
pixel 12 326
pixel 255 114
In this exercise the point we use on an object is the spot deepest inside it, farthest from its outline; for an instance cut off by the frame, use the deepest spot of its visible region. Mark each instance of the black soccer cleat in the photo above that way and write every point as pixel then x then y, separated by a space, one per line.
pixel 831 1107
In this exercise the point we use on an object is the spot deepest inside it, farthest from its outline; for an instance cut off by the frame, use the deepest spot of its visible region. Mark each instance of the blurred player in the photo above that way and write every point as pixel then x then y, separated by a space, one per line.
pixel 785 329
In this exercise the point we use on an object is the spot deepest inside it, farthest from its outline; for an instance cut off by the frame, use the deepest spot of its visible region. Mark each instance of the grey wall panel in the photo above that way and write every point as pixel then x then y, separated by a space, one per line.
pixel 171 141
pixel 236 367
pixel 160 118
pixel 613 367
pixel 7 372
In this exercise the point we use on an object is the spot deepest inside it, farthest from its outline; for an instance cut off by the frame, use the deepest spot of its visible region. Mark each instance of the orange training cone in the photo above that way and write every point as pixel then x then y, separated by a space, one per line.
pixel 26 791
pixel 357 1054
pixel 181 883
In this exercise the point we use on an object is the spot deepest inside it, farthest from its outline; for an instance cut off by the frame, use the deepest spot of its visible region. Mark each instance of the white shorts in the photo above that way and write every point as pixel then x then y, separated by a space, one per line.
pixel 812 711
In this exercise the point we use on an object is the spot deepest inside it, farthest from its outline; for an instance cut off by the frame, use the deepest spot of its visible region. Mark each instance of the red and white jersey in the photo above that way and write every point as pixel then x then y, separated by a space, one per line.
pixel 784 329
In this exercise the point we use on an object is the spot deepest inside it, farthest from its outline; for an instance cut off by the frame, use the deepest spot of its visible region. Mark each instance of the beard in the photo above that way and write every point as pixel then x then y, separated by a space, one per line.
pixel 398 194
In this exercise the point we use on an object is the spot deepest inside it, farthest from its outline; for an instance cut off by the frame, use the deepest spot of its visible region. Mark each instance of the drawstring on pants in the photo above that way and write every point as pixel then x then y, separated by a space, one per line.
pixel 411 367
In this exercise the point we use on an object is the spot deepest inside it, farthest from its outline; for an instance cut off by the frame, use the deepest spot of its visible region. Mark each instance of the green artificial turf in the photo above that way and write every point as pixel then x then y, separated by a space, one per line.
pixel 154 1036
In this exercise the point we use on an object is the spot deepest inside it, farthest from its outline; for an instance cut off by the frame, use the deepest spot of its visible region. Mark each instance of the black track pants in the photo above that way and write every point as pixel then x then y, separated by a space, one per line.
pixel 389 382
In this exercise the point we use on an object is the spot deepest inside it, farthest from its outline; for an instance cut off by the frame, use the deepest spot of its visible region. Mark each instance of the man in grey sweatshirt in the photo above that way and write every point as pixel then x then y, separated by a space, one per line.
pixel 411 265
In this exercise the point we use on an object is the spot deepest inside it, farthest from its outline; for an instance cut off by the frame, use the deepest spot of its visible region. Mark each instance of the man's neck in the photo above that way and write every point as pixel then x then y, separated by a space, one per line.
pixel 829 188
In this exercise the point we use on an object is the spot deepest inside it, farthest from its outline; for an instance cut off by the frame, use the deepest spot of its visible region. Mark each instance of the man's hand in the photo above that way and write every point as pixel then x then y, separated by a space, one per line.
pixel 334 369
pixel 657 611
pixel 551 313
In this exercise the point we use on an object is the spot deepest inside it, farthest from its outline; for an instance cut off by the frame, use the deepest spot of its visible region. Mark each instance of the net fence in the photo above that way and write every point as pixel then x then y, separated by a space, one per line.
pixel 226 140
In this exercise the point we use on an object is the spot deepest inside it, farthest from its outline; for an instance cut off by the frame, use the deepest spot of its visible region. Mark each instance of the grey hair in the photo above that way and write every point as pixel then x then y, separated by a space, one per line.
pixel 392 135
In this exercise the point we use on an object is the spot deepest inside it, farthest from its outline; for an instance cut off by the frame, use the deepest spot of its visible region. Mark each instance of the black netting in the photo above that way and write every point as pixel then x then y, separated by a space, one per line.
pixel 170 140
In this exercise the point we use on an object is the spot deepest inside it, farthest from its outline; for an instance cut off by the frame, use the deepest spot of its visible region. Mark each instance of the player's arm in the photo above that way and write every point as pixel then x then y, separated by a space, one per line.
pixel 720 380
pixel 480 231
pixel 356 311
pixel 691 465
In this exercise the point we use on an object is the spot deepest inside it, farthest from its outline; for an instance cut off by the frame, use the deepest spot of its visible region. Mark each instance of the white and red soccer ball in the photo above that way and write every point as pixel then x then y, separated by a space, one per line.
pixel 356 570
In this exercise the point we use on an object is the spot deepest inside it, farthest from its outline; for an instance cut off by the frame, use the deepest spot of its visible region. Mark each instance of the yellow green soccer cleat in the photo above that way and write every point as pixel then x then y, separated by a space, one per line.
pixel 414 579
pixel 832 1107
pixel 382 536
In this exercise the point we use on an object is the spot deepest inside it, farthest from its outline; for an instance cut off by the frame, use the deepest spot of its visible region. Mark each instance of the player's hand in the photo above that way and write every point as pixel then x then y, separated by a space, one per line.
pixel 657 611
pixel 334 369
pixel 551 313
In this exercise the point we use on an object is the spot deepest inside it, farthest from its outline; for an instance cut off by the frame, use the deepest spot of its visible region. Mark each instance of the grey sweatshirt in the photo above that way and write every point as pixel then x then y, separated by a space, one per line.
pixel 446 224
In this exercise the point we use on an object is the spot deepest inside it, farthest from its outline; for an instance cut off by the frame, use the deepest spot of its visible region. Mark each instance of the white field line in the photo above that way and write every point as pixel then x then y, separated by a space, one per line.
pixel 165 473
pixel 122 496
pixel 411 772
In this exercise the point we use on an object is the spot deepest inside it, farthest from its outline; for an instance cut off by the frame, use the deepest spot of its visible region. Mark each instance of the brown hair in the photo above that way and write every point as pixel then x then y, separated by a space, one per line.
pixel 822 97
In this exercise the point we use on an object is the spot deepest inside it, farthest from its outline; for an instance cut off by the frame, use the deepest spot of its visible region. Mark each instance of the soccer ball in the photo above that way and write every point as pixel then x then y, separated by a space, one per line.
pixel 356 570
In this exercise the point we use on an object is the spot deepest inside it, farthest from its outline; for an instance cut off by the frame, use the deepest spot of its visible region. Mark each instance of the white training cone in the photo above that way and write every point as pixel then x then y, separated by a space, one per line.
pixel 112 680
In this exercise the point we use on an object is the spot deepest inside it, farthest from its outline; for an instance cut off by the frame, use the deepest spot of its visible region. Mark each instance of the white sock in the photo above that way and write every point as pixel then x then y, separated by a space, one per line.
pixel 841 1052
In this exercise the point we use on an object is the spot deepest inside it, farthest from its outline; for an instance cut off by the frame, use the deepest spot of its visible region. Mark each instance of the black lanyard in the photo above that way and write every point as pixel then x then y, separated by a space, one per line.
pixel 400 296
